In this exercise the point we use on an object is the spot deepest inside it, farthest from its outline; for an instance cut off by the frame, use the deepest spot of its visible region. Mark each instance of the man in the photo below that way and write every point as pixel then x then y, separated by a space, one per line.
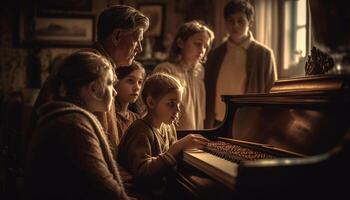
pixel 251 64
pixel 119 33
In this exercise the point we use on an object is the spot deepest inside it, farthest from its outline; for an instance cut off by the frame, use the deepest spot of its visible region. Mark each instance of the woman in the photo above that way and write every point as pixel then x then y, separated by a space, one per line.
pixel 69 154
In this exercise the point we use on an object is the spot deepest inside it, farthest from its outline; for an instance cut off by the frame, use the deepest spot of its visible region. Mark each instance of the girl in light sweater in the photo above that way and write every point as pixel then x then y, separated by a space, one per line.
pixel 187 53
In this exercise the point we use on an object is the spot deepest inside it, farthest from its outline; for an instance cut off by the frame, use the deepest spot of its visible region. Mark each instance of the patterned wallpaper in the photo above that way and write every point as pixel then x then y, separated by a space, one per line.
pixel 15 63
pixel 12 67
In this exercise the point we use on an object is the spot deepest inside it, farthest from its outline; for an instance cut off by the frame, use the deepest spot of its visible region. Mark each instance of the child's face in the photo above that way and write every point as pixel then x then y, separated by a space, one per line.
pixel 105 98
pixel 168 107
pixel 129 87
pixel 195 47
pixel 237 26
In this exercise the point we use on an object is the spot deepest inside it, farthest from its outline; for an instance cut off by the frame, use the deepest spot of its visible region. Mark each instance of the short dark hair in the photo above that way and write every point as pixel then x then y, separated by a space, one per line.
pixel 123 72
pixel 120 16
pixel 235 6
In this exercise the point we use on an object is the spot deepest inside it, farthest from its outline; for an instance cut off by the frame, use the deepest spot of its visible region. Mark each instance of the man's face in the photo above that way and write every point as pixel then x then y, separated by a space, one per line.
pixel 128 46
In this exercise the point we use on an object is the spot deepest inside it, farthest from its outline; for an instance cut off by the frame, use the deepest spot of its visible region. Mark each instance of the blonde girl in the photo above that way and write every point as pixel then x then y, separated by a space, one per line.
pixel 187 53
pixel 149 149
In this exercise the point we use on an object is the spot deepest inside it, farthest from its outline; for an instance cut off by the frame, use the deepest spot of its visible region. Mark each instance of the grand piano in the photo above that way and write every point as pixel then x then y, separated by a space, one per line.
pixel 290 143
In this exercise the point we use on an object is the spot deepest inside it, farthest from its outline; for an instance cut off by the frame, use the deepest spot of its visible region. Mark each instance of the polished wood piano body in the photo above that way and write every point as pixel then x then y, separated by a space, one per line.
pixel 301 124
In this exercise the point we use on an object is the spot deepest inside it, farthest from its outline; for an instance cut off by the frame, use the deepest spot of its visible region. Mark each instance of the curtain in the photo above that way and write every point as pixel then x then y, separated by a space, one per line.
pixel 219 22
pixel 267 25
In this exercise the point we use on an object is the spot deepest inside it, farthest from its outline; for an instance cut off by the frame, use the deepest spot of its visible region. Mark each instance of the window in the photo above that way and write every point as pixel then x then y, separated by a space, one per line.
pixel 296 34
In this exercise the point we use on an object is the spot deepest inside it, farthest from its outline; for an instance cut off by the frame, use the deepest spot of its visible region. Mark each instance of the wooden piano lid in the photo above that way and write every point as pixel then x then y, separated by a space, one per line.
pixel 307 115
pixel 312 83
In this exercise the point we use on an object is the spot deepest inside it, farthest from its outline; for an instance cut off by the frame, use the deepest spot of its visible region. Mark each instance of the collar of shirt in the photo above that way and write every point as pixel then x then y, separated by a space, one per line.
pixel 244 45
pixel 193 69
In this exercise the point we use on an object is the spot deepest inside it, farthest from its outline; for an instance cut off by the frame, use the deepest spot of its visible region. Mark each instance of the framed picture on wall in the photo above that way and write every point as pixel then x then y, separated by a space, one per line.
pixel 155 13
pixel 73 31
pixel 64 5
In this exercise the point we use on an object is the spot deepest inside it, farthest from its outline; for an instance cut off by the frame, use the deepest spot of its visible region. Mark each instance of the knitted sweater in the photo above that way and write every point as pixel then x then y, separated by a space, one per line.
pixel 70 157
pixel 143 151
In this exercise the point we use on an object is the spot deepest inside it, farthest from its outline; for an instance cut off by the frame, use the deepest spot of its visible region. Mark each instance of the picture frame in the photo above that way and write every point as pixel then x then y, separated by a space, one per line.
pixel 64 5
pixel 59 31
pixel 155 13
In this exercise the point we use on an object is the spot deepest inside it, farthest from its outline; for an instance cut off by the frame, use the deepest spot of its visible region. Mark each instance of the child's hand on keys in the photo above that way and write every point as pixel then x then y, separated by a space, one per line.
pixel 190 141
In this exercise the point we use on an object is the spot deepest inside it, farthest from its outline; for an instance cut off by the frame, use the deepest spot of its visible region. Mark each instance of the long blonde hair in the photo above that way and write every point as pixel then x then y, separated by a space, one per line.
pixel 184 32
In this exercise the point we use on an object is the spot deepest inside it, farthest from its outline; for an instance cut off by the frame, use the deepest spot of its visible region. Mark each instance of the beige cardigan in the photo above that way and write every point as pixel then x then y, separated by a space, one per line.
pixel 261 74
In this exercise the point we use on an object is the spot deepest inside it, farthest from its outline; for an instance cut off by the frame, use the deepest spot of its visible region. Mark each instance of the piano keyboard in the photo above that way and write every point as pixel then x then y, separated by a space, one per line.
pixel 220 160
pixel 220 169
pixel 234 153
